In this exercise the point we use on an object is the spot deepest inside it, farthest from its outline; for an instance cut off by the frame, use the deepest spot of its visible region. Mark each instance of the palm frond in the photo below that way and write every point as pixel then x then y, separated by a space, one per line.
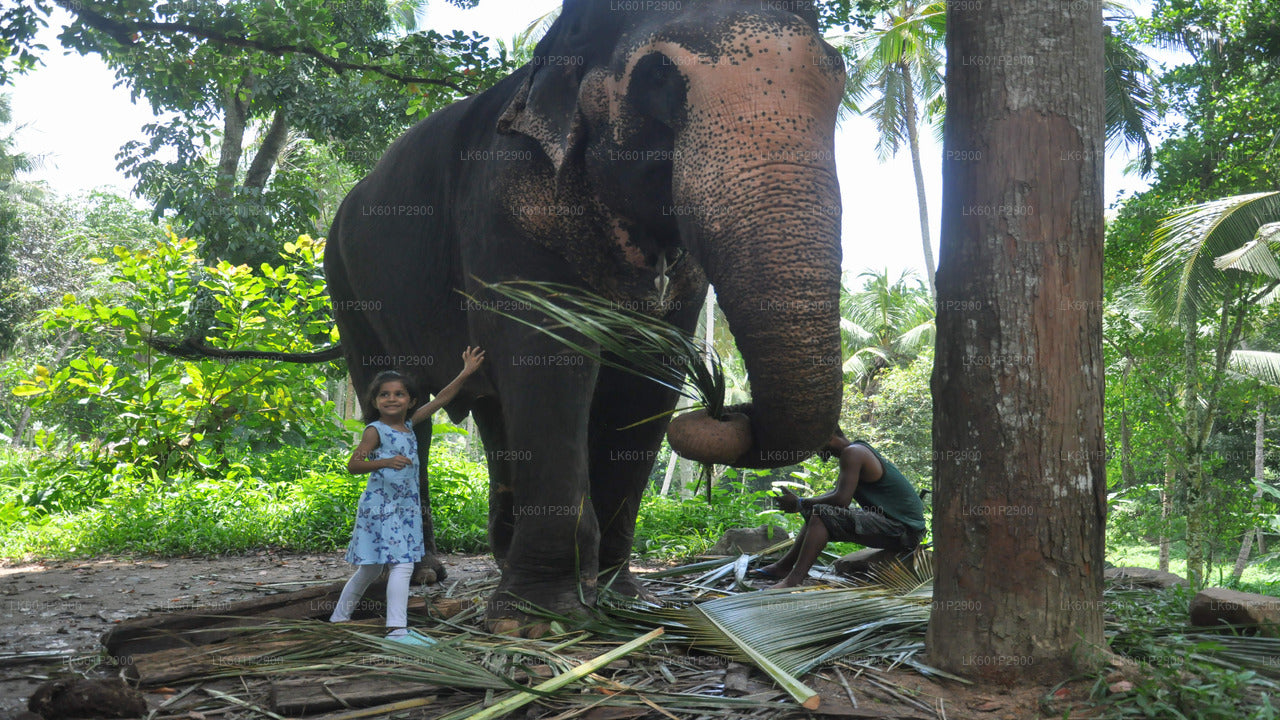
pixel 915 340
pixel 1256 256
pixel 1261 366
pixel 1180 272
pixel 620 338
pixel 1132 105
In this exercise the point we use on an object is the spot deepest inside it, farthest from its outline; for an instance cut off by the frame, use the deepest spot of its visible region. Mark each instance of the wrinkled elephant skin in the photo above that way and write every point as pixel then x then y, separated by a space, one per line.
pixel 692 143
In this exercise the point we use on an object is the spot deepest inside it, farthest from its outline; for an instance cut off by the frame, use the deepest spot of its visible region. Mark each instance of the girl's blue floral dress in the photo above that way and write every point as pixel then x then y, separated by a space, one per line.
pixel 389 517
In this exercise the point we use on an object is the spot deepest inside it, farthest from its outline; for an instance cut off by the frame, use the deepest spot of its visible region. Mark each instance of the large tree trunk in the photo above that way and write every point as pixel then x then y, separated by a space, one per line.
pixel 1018 379
pixel 1259 470
pixel 922 203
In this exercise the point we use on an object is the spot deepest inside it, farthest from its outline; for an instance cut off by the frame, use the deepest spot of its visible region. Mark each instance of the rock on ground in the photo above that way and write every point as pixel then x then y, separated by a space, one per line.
pixel 1143 577
pixel 738 541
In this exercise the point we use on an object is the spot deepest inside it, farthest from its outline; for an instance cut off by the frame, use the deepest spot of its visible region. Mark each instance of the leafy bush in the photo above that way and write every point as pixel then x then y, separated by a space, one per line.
pixel 670 526
pixel 121 402
pixel 309 507
pixel 898 419
pixel 459 499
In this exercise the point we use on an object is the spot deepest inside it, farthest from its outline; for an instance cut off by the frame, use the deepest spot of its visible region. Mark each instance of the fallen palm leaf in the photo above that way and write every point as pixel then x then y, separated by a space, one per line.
pixel 382 709
pixel 527 696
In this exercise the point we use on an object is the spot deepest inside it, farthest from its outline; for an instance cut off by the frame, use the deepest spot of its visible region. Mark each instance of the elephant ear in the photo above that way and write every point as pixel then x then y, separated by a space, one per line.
pixel 545 107
pixel 808 11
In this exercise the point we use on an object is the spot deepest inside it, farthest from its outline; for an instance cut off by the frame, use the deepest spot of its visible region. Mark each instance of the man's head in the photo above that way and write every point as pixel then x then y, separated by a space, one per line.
pixel 834 446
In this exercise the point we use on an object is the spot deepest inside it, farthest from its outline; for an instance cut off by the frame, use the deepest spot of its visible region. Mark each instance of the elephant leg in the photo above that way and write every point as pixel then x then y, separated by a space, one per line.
pixel 621 462
pixel 500 459
pixel 429 569
pixel 551 561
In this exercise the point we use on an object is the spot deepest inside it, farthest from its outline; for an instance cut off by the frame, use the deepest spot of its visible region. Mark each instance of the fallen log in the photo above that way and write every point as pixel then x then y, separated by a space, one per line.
pixel 313 695
pixel 215 623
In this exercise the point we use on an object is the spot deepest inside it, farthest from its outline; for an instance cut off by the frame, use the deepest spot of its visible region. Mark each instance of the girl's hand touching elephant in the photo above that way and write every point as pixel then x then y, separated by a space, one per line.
pixel 471 359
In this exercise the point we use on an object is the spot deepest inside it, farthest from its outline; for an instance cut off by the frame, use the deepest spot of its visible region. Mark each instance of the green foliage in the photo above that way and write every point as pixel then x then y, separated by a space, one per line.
pixel 1180 678
pixel 139 512
pixel 116 401
pixel 898 419
pixel 883 324
pixel 671 526
pixel 291 498
pixel 459 501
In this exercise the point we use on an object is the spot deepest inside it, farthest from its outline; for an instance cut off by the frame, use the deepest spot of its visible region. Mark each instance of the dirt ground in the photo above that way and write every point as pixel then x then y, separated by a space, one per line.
pixel 53 613
pixel 59 609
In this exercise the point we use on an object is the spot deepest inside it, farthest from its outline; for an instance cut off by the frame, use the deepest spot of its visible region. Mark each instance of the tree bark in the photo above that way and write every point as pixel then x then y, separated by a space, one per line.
pixel 922 202
pixel 1166 507
pixel 236 114
pixel 1259 472
pixel 265 160
pixel 1018 377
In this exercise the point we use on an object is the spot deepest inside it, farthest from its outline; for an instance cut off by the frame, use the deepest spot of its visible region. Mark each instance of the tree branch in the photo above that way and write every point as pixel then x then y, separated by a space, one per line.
pixel 268 152
pixel 128 34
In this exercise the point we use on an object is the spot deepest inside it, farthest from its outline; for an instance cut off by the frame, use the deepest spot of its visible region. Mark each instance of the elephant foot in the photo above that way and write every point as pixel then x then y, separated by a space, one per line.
pixel 523 611
pixel 428 570
pixel 624 583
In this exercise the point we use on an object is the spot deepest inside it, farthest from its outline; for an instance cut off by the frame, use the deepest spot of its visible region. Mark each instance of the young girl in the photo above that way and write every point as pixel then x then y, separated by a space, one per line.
pixel 388 528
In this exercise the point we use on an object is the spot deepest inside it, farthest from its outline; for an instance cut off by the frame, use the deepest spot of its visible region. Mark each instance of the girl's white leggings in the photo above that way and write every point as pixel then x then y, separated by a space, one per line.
pixel 397 593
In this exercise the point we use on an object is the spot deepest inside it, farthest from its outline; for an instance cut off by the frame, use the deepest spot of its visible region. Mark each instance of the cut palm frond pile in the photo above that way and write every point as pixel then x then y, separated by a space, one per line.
pixel 788 634
pixel 621 338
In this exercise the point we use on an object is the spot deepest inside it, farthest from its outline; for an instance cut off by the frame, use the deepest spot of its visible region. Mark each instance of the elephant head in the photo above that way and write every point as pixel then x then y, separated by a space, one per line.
pixel 707 127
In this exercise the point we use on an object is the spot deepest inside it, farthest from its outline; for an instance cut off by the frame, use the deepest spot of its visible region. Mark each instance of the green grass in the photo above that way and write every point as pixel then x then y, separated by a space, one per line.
pixel 1259 578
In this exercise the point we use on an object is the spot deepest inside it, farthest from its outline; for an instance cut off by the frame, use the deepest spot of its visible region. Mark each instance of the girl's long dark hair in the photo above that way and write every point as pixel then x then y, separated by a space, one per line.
pixel 370 412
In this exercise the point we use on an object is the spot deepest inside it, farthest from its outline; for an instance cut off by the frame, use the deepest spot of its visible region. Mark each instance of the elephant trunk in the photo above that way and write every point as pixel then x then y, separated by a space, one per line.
pixel 755 184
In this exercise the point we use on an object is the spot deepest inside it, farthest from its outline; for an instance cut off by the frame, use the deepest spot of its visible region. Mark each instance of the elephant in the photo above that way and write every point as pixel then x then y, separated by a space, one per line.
pixel 650 147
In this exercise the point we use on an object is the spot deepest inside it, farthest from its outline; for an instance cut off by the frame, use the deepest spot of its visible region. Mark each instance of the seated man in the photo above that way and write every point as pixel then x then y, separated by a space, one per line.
pixel 891 518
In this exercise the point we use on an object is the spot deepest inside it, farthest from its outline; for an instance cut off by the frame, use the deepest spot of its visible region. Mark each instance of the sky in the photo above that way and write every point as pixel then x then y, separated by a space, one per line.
pixel 74 111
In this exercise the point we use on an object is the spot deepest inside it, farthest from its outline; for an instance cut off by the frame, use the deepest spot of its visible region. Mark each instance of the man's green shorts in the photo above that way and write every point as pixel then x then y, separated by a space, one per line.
pixel 872 529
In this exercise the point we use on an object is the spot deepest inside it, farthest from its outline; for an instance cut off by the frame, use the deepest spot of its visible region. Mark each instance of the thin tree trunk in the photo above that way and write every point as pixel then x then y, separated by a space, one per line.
pixel 1166 507
pixel 268 152
pixel 1017 384
pixel 21 428
pixel 1128 478
pixel 1259 470
pixel 922 203
pixel 1200 423
pixel 1194 477
pixel 671 471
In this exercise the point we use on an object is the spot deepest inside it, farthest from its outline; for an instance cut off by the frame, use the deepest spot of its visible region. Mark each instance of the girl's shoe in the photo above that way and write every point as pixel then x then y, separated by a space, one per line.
pixel 412 638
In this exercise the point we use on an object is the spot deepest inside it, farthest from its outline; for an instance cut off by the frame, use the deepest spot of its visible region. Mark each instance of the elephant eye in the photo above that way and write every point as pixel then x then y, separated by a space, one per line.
pixel 658 89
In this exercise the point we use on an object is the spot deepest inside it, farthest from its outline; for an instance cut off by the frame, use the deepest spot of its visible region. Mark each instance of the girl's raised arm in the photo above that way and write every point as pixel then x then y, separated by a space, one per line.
pixel 471 360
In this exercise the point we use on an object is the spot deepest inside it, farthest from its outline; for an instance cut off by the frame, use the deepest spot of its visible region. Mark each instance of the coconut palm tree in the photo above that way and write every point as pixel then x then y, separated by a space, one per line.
pixel 13 163
pixel 1208 265
pixel 896 78
pixel 895 71
pixel 884 323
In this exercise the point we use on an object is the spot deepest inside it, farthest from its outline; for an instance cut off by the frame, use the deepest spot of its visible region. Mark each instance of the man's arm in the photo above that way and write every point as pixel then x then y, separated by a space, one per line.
pixel 855 460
